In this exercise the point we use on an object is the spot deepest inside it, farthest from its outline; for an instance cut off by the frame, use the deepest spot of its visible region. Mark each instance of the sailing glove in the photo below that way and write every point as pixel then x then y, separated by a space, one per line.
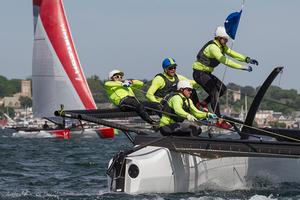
pixel 191 118
pixel 212 116
pixel 249 69
pixel 126 83
pixel 251 61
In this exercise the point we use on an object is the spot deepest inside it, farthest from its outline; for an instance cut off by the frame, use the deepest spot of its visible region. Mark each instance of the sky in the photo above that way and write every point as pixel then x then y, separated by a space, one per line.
pixel 136 35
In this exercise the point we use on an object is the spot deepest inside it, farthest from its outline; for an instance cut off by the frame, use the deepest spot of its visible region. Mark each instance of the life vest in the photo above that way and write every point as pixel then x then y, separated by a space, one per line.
pixel 202 58
pixel 168 109
pixel 169 86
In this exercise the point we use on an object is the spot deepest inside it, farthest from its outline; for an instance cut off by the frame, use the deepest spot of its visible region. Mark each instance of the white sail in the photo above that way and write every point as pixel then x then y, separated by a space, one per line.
pixel 57 76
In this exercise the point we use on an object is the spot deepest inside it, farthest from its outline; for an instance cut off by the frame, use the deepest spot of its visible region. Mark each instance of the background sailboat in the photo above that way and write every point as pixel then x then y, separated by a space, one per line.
pixel 57 75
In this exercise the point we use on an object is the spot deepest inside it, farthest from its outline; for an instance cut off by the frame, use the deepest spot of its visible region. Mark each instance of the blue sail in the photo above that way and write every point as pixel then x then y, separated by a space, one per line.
pixel 231 24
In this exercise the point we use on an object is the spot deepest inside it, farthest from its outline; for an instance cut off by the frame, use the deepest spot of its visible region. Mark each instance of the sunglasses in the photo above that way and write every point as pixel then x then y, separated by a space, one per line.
pixel 118 76
pixel 188 89
pixel 225 39
pixel 171 68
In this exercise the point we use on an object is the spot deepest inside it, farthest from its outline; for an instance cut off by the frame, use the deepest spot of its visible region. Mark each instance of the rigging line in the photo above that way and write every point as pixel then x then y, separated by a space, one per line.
pixel 155 110
pixel 89 118
pixel 231 121
pixel 219 91
pixel 144 92
pixel 242 93
pixel 251 127
pixel 262 130
pixel 243 4
pixel 159 111
pixel 265 99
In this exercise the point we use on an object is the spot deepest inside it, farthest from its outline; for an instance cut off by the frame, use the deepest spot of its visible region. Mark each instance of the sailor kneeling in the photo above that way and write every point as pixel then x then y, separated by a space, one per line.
pixel 177 107
pixel 120 93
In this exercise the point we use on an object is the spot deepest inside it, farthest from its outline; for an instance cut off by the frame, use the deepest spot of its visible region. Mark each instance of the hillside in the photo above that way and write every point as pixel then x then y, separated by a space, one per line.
pixel 276 99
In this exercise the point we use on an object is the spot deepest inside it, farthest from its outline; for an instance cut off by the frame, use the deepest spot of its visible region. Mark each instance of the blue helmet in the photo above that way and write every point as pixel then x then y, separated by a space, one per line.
pixel 168 62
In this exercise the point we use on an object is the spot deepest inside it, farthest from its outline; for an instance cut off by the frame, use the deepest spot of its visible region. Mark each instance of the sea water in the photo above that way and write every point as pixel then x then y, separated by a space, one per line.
pixel 49 168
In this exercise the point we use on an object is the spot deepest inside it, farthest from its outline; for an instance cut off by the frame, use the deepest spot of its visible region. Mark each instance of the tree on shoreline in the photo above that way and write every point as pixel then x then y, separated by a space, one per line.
pixel 276 98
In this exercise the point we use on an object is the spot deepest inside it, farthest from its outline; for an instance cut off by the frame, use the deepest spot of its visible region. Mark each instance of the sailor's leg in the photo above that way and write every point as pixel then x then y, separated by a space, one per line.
pixel 130 103
pixel 217 91
pixel 152 105
pixel 168 130
pixel 157 107
pixel 180 129
pixel 221 86
pixel 190 128
pixel 173 129
pixel 215 102
pixel 143 114
pixel 207 82
pixel 194 97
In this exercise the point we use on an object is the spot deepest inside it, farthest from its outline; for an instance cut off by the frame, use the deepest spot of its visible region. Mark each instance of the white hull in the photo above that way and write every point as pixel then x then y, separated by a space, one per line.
pixel 86 133
pixel 32 134
pixel 163 171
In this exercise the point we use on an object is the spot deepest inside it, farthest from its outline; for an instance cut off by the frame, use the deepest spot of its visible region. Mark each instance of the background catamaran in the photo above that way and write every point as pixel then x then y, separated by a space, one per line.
pixel 57 75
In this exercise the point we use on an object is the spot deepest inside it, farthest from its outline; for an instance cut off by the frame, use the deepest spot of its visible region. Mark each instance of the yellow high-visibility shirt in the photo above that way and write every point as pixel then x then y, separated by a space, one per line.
pixel 176 103
pixel 214 50
pixel 158 83
pixel 116 91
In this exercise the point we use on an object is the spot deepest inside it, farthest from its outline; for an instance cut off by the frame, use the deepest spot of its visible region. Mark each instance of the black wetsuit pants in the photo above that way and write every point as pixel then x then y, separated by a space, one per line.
pixel 213 86
pixel 194 97
pixel 132 104
pixel 180 129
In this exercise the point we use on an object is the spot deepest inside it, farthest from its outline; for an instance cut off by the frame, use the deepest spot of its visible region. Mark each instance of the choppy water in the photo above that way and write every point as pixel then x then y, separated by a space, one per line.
pixel 48 168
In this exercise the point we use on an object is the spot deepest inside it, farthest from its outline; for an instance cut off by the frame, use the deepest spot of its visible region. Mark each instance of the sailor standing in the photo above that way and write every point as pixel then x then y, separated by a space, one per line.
pixel 166 82
pixel 121 94
pixel 209 57
pixel 177 107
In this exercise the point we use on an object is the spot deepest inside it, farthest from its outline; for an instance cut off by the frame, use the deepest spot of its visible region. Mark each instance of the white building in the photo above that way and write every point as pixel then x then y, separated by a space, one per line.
pixel 12 101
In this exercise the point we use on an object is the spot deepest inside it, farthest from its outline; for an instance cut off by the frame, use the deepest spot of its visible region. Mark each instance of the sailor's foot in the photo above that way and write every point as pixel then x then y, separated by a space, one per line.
pixel 223 124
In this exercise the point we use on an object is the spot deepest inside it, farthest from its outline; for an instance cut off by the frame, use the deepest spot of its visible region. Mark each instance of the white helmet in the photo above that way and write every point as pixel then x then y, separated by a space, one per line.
pixel 184 84
pixel 113 72
pixel 221 32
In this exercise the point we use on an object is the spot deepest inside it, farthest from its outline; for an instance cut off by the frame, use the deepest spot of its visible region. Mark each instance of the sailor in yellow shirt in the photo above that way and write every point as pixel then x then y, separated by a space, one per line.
pixel 121 94
pixel 166 82
pixel 209 57
pixel 180 107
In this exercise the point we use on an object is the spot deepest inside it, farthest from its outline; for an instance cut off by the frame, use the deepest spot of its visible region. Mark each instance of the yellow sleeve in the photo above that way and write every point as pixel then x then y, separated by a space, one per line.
pixel 193 83
pixel 197 113
pixel 217 54
pixel 137 84
pixel 109 84
pixel 235 54
pixel 156 84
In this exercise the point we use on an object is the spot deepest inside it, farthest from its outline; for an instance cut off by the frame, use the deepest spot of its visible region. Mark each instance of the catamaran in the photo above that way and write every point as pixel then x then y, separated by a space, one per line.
pixel 57 75
pixel 157 164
